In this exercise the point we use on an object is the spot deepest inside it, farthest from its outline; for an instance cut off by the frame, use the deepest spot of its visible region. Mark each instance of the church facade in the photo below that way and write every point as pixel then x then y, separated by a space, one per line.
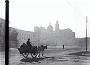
pixel 43 36
pixel 57 37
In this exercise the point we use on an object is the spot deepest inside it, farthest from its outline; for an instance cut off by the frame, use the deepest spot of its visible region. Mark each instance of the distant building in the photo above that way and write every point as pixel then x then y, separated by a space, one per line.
pixel 56 26
pixel 65 36
pixel 37 30
pixel 24 35
pixel 49 28
pixel 82 42
pixel 57 37
pixel 42 36
pixel 11 30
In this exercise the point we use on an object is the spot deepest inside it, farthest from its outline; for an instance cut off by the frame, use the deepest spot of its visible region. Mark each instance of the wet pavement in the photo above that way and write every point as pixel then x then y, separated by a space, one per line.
pixel 52 56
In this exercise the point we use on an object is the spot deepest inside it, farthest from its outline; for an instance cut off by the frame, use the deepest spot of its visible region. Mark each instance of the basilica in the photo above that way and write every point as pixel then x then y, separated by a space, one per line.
pixel 43 36
pixel 55 38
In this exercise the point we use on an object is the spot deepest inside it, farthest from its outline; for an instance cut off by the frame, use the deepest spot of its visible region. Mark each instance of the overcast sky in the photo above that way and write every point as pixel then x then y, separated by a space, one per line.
pixel 25 14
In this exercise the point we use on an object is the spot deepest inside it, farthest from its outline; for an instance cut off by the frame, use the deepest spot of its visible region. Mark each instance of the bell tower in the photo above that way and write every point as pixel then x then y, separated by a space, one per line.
pixel 56 26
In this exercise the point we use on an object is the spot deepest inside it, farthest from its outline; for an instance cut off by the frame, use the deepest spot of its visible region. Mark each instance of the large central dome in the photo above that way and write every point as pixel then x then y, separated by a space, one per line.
pixel 50 28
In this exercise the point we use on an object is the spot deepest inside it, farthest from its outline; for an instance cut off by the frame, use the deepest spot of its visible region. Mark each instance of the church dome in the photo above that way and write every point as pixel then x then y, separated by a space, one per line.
pixel 50 28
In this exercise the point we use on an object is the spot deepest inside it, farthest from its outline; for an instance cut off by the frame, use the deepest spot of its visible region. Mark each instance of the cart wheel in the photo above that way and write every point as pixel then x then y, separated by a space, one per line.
pixel 34 55
pixel 25 55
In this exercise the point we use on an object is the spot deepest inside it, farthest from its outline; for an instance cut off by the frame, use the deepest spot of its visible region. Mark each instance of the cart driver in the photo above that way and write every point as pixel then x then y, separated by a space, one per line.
pixel 29 43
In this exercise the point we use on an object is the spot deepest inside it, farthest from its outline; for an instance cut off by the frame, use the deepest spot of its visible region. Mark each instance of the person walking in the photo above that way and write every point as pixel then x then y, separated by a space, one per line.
pixel 63 46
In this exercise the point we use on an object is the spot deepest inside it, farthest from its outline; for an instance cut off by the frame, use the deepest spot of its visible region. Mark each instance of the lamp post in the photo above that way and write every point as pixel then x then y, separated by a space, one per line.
pixel 6 32
pixel 86 33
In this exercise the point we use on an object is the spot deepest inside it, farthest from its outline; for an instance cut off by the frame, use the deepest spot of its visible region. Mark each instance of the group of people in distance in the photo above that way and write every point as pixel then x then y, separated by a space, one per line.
pixel 28 44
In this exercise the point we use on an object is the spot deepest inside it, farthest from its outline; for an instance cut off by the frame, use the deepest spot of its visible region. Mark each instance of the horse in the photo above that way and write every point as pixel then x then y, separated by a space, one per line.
pixel 41 49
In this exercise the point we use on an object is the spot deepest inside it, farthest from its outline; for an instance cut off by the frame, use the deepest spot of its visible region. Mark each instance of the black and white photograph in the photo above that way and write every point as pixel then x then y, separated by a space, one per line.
pixel 44 32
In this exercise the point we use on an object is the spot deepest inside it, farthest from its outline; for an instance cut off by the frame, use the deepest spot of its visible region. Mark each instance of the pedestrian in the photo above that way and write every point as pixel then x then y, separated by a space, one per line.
pixel 63 46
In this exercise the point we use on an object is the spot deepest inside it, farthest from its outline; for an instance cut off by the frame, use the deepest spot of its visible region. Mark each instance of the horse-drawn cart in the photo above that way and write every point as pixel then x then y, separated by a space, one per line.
pixel 25 51
pixel 34 51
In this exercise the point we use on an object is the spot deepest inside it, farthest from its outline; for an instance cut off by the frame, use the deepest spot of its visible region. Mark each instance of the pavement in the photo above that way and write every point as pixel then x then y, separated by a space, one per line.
pixel 53 56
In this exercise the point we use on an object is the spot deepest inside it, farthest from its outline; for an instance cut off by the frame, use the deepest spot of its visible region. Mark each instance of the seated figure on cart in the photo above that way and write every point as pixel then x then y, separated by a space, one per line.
pixel 29 44
pixel 23 45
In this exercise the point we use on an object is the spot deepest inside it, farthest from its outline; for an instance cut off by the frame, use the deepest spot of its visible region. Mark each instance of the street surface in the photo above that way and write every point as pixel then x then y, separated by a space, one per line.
pixel 53 56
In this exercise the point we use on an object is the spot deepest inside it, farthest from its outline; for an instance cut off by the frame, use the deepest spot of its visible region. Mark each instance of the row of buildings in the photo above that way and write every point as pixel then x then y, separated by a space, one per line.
pixel 41 35
pixel 24 35
pixel 47 36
